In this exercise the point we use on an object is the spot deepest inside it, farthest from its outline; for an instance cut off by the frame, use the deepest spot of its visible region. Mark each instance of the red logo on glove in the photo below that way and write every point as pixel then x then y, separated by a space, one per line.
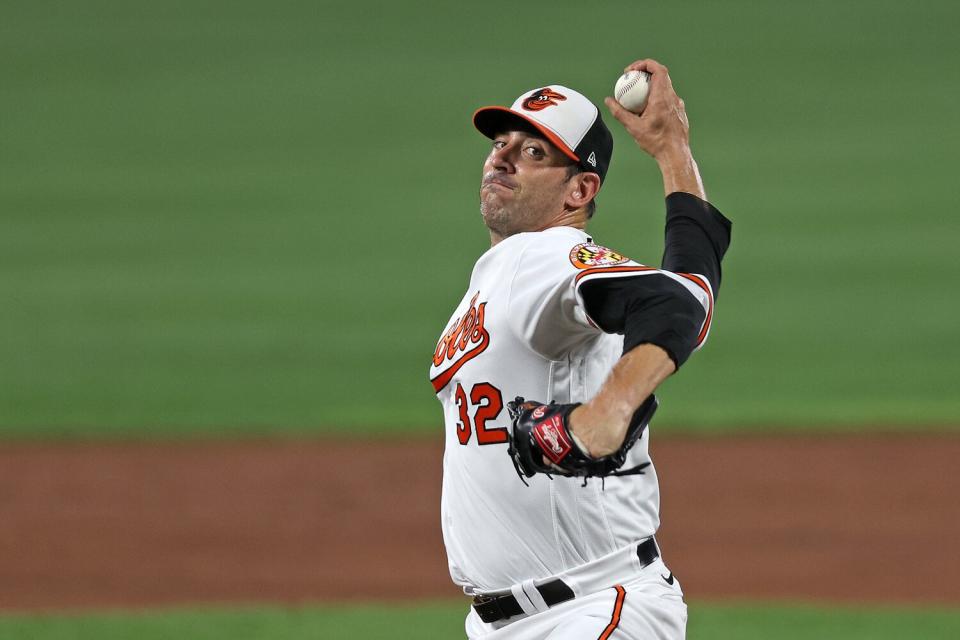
pixel 552 438
pixel 539 411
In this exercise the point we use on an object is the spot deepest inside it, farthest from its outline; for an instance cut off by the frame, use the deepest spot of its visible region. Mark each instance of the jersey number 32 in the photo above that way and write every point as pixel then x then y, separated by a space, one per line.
pixel 488 403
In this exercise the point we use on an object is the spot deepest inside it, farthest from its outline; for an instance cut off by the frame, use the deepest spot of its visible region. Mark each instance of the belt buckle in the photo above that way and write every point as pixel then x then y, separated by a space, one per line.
pixel 489 609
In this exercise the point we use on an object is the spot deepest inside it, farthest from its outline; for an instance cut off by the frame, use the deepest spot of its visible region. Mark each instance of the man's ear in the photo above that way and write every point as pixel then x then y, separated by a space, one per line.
pixel 582 188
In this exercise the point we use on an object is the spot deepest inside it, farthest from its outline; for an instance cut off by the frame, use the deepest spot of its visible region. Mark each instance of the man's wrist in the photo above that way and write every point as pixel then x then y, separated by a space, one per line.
pixel 675 155
pixel 680 172
pixel 598 432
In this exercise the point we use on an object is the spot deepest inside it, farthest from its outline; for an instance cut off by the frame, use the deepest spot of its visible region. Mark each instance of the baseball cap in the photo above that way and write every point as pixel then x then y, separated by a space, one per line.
pixel 565 117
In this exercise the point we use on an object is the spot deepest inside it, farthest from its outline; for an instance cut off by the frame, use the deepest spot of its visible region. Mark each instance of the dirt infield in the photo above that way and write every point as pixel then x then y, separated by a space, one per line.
pixel 841 518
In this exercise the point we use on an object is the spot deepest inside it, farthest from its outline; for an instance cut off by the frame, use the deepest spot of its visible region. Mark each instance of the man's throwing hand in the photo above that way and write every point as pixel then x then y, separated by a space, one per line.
pixel 662 128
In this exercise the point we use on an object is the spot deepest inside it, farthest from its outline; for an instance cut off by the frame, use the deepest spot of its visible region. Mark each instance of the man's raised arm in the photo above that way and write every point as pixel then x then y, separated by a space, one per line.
pixel 657 323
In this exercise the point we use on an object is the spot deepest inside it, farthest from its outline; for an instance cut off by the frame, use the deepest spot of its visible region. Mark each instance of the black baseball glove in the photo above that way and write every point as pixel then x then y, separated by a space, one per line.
pixel 541 442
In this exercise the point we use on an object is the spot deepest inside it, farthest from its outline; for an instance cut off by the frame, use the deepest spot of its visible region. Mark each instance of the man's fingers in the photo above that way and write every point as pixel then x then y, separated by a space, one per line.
pixel 660 83
pixel 617 111
pixel 649 65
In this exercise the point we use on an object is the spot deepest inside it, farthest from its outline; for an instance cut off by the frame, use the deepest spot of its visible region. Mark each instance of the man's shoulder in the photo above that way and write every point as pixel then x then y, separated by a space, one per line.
pixel 560 235
pixel 550 251
pixel 555 241
pixel 551 246
pixel 572 249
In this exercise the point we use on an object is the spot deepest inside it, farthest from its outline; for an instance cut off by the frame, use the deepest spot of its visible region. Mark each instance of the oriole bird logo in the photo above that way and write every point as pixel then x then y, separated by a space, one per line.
pixel 541 99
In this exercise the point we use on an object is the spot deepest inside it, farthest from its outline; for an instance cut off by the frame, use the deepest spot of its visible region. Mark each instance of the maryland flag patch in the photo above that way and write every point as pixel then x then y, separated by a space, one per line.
pixel 588 255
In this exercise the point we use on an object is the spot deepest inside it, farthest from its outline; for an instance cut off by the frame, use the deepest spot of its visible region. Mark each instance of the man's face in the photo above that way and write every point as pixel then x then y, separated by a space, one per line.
pixel 523 184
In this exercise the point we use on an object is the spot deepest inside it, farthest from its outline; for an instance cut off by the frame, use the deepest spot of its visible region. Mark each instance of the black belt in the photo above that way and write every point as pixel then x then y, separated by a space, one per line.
pixel 493 608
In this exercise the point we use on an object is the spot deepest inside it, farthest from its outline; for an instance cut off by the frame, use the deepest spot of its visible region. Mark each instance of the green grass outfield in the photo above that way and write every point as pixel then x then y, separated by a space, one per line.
pixel 240 217
pixel 442 620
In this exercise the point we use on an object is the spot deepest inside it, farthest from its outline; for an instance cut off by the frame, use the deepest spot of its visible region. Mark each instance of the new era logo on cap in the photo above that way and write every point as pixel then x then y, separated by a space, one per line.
pixel 565 117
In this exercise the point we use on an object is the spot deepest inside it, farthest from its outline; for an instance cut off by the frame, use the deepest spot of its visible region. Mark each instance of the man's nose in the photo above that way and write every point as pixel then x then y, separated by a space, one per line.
pixel 503 158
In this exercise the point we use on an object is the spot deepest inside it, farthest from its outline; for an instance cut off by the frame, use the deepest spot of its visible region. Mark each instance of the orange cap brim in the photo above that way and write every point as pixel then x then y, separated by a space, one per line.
pixel 493 120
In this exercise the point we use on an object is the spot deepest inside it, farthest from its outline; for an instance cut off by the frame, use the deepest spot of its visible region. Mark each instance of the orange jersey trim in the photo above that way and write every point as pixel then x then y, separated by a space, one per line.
pixel 595 270
pixel 617 609
pixel 703 285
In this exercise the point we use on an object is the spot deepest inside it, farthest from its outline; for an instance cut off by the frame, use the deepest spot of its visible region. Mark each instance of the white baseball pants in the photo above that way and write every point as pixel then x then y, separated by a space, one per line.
pixel 646 607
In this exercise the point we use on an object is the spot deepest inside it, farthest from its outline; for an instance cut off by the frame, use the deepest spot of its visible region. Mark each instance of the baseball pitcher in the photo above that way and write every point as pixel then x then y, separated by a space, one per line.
pixel 547 368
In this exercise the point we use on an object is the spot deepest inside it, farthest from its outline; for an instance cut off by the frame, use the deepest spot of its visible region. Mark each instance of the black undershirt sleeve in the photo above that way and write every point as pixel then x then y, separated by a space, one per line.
pixel 646 309
pixel 653 308
pixel 696 237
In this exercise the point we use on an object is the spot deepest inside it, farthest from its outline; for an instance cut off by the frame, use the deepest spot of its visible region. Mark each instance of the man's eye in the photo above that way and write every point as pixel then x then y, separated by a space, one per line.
pixel 536 152
pixel 498 144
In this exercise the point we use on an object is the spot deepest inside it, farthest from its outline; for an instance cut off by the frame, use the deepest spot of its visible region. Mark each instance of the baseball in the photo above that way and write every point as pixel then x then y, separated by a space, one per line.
pixel 632 89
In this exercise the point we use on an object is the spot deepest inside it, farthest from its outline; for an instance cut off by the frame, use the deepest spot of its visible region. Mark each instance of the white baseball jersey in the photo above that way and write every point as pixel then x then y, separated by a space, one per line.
pixel 521 329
